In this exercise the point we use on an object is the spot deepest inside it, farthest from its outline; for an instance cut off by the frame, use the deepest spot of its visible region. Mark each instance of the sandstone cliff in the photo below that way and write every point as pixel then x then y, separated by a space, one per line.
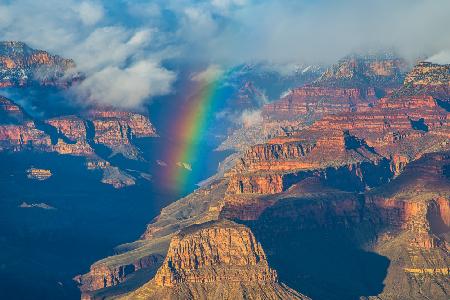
pixel 402 224
pixel 76 135
pixel 354 83
pixel 379 71
pixel 215 260
pixel 21 65
pixel 314 101
pixel 116 130
pixel 328 201
pixel 428 78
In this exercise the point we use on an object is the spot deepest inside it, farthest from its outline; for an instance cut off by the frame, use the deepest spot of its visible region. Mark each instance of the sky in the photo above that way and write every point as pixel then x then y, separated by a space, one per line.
pixel 123 46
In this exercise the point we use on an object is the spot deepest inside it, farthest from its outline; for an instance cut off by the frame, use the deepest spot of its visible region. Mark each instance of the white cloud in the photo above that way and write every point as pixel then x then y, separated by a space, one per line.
pixel 90 12
pixel 113 55
pixel 115 35
pixel 125 87
pixel 443 57
pixel 227 4
pixel 211 73
pixel 251 118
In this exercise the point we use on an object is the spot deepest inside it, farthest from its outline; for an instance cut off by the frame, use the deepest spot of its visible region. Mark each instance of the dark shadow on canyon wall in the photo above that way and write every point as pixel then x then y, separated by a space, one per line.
pixel 321 261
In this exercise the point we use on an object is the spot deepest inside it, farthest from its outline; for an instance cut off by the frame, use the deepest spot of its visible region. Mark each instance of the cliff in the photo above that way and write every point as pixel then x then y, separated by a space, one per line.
pixel 117 129
pixel 18 130
pixel 315 225
pixel 329 201
pixel 378 71
pixel 24 136
pixel 76 135
pixel 215 260
pixel 430 79
pixel 418 251
pixel 11 113
pixel 21 65
pixel 354 83
pixel 315 101
pixel 396 128
pixel 72 136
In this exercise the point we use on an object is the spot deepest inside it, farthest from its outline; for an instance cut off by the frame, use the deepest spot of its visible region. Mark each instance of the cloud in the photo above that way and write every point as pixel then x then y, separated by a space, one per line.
pixel 251 117
pixel 113 36
pixel 126 87
pixel 228 4
pixel 442 57
pixel 211 73
pixel 324 31
pixel 117 58
pixel 90 13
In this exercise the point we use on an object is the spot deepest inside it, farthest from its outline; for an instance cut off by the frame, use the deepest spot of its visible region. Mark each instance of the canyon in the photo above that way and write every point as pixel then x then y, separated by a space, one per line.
pixel 353 203
pixel 340 191
pixel 111 131
pixel 96 133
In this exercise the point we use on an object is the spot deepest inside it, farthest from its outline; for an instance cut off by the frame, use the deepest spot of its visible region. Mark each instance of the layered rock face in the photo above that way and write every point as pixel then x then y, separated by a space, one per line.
pixel 201 206
pixel 10 112
pixel 340 206
pixel 383 70
pixel 116 129
pixel 21 65
pixel 428 78
pixel 396 128
pixel 25 136
pixel 353 84
pixel 418 203
pixel 320 100
pixel 386 138
pixel 215 260
pixel 242 138
pixel 18 130
pixel 101 275
pixel 72 136
pixel 404 222
pixel 76 135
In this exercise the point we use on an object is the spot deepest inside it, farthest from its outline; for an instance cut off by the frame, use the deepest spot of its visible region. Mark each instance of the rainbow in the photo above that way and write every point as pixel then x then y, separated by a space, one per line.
pixel 190 127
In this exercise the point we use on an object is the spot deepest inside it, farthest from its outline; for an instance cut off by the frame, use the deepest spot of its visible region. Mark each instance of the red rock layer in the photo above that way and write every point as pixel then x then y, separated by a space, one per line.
pixel 101 275
pixel 217 247
pixel 117 128
pixel 18 137
pixel 320 100
pixel 74 129
pixel 21 65
pixel 11 113
pixel 387 129
pixel 8 106
pixel 428 78
pixel 375 71
pixel 215 260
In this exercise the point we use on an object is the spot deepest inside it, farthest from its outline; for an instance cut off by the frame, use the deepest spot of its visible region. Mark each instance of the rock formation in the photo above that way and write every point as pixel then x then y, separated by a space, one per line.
pixel 379 71
pixel 354 83
pixel 39 174
pixel 116 129
pixel 72 136
pixel 21 65
pixel 430 79
pixel 215 260
pixel 375 176
pixel 76 135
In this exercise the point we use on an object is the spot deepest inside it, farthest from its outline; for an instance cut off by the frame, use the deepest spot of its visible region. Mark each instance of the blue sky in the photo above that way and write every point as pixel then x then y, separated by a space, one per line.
pixel 123 45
